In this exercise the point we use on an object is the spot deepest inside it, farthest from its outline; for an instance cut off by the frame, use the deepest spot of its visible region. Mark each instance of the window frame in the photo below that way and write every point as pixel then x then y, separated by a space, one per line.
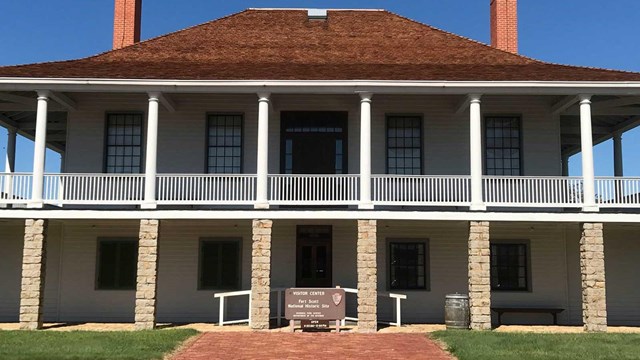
pixel 201 242
pixel 207 125
pixel 99 241
pixel 386 140
pixel 528 265
pixel 486 117
pixel 427 262
pixel 143 140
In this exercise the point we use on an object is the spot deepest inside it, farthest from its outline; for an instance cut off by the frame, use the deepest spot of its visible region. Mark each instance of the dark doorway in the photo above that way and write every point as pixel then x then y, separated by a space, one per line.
pixel 313 256
pixel 314 142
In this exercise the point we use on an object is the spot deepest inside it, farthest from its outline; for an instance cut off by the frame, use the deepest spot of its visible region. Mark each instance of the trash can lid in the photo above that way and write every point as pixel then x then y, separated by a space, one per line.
pixel 457 296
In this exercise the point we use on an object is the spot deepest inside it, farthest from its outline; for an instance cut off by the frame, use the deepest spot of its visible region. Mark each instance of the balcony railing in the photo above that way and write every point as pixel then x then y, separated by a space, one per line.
pixel 618 192
pixel 421 190
pixel 314 189
pixel 208 189
pixel 330 190
pixel 528 191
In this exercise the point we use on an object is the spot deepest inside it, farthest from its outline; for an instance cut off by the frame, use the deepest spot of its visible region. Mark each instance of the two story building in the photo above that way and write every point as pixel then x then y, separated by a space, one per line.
pixel 278 148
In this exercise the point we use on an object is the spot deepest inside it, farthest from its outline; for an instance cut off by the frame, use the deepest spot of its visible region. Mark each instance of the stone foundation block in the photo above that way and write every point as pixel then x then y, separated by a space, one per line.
pixel 367 276
pixel 33 274
pixel 260 274
pixel 479 275
pixel 594 299
pixel 146 281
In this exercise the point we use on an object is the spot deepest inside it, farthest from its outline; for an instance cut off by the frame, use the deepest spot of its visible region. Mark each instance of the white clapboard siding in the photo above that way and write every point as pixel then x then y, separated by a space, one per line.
pixel 181 142
pixel 11 240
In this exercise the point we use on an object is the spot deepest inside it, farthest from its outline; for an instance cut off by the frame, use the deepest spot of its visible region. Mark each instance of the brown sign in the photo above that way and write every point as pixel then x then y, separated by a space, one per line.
pixel 315 304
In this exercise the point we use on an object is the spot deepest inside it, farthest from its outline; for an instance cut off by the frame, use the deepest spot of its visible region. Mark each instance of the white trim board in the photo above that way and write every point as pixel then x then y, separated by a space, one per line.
pixel 319 215
pixel 323 86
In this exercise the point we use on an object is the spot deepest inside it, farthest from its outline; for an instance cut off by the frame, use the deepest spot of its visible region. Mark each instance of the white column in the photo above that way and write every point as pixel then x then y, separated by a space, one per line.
pixel 10 162
pixel 475 141
pixel 39 150
pixel 586 139
pixel 262 169
pixel 365 151
pixel 151 154
pixel 618 169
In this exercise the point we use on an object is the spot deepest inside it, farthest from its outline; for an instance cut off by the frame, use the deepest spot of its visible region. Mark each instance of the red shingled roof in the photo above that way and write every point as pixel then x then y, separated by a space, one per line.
pixel 286 45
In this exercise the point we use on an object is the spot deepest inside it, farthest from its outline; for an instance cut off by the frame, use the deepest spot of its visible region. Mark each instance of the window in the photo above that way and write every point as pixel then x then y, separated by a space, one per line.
pixel 219 264
pixel 502 146
pixel 224 144
pixel 124 144
pixel 509 270
pixel 408 265
pixel 404 145
pixel 117 264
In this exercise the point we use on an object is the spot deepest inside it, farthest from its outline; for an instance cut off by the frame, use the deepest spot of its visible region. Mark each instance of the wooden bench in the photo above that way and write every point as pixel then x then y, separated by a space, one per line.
pixel 531 310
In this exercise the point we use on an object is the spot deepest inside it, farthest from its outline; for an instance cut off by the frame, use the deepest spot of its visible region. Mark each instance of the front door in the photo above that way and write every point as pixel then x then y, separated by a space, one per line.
pixel 313 256
pixel 314 142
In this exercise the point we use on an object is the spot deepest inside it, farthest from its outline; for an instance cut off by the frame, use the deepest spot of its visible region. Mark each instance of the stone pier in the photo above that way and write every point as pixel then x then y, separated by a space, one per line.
pixel 33 274
pixel 479 276
pixel 594 298
pixel 147 278
pixel 367 276
pixel 260 274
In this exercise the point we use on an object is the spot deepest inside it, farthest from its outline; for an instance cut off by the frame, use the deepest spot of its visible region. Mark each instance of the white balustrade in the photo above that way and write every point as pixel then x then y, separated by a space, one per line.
pixel 223 306
pixel 421 190
pixel 314 189
pixel 527 191
pixel 93 189
pixel 618 192
pixel 397 307
pixel 225 189
pixel 15 188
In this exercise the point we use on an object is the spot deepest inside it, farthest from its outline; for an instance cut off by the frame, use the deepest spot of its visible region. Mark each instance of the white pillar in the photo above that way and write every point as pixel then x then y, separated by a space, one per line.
pixel 39 150
pixel 618 169
pixel 262 179
pixel 475 141
pixel 151 154
pixel 365 151
pixel 586 137
pixel 10 162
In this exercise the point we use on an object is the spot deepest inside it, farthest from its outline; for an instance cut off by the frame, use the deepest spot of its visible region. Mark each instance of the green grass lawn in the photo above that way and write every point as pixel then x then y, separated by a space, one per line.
pixel 467 345
pixel 53 345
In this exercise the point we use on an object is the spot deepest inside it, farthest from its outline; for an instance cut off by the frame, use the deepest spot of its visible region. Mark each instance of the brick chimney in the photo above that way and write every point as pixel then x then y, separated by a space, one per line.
pixel 126 23
pixel 504 25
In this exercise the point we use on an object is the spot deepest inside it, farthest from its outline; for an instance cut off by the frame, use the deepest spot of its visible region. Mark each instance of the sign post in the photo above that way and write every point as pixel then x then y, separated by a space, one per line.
pixel 315 307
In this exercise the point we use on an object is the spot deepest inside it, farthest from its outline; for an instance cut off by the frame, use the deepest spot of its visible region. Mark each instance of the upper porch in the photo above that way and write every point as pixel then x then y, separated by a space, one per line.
pixel 330 150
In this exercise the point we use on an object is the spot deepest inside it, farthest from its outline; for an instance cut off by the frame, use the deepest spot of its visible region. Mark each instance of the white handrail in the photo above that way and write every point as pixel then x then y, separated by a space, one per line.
pixel 222 309
pixel 207 189
pixel 93 189
pixel 15 188
pixel 421 190
pixel 618 191
pixel 279 291
pixel 532 191
pixel 287 189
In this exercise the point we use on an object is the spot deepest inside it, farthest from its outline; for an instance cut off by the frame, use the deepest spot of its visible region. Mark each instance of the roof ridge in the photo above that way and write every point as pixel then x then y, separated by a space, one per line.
pixel 510 53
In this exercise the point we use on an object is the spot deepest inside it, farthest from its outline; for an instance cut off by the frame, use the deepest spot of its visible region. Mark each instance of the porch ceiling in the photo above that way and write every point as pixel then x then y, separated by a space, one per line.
pixel 18 111
pixel 610 115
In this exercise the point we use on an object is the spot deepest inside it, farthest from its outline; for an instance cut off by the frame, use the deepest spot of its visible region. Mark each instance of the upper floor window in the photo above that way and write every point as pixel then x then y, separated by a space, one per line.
pixel 408 265
pixel 503 145
pixel 117 264
pixel 509 267
pixel 219 264
pixel 224 153
pixel 124 144
pixel 404 145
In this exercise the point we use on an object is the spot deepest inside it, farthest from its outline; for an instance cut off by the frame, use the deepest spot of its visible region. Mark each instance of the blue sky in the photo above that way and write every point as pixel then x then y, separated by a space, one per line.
pixel 577 32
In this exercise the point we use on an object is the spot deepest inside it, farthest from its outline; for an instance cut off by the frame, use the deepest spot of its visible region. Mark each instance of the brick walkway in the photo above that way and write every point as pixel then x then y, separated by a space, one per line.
pixel 312 346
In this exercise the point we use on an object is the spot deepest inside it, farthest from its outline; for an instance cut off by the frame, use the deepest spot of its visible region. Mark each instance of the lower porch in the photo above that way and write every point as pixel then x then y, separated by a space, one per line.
pixel 193 263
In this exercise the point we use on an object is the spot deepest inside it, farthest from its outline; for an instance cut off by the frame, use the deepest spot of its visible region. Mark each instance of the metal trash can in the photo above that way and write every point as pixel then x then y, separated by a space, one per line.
pixel 456 311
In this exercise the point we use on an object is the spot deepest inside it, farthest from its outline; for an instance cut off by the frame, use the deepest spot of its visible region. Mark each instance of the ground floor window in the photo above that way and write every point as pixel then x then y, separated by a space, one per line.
pixel 509 267
pixel 219 264
pixel 408 264
pixel 117 264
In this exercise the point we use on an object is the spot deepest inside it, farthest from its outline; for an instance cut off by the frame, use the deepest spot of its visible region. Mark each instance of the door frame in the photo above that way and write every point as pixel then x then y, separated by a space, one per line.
pixel 300 240
pixel 339 117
